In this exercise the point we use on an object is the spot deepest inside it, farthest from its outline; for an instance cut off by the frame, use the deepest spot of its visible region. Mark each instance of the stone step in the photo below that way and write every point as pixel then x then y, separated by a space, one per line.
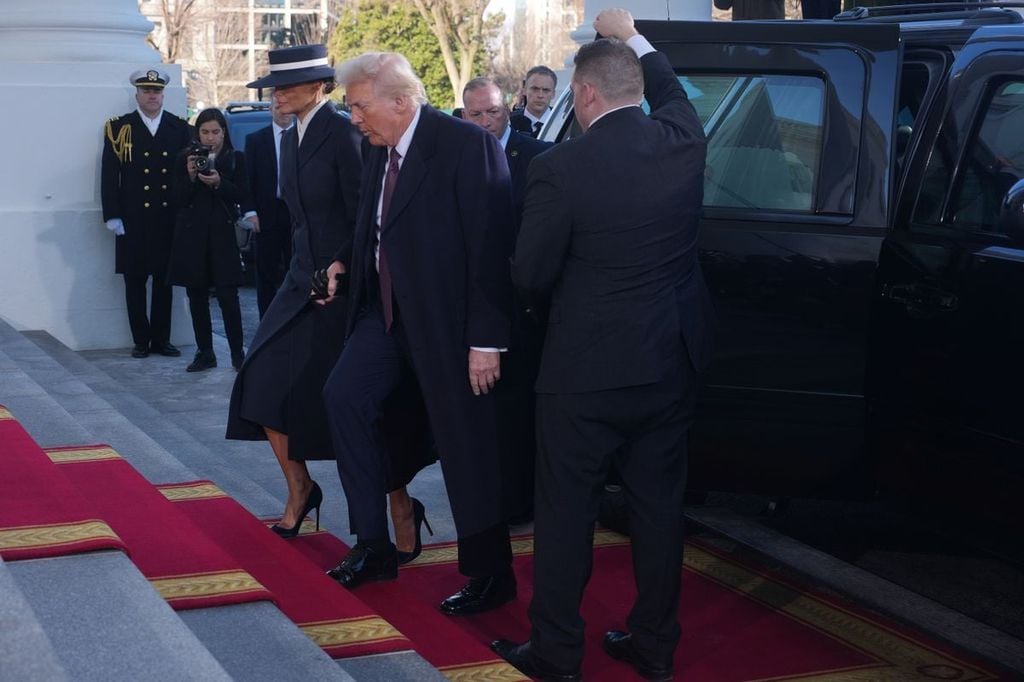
pixel 25 651
pixel 106 622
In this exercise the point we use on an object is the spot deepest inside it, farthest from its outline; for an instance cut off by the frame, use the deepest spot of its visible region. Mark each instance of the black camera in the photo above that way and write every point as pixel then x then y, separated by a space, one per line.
pixel 202 157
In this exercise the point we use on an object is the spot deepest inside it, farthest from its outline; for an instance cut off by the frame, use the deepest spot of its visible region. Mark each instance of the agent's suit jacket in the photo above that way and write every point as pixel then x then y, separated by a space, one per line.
pixel 261 156
pixel 519 152
pixel 610 225
pixel 448 238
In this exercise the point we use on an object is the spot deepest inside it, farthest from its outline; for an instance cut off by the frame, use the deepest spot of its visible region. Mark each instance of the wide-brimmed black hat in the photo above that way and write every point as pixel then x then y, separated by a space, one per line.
pixel 294 65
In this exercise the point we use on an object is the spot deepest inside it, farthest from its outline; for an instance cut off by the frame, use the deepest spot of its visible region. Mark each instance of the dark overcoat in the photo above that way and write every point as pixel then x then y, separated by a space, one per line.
pixel 261 164
pixel 448 238
pixel 628 299
pixel 519 151
pixel 320 184
pixel 135 186
pixel 205 251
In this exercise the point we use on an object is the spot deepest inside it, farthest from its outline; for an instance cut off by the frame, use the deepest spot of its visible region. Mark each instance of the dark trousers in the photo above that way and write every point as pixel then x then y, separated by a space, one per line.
pixel 643 430
pixel 370 369
pixel 199 306
pixel 272 252
pixel 155 329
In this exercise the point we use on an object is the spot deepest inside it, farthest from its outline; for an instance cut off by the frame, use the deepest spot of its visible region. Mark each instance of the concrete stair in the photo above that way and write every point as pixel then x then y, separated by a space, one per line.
pixel 112 618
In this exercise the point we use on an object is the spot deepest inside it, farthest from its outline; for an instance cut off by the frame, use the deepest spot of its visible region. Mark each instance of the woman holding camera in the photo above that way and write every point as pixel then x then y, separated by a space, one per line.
pixel 210 186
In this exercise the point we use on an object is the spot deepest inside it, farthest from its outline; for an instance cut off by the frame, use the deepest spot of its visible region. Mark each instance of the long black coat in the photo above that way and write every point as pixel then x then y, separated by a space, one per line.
pixel 320 184
pixel 205 251
pixel 617 245
pixel 448 238
pixel 137 189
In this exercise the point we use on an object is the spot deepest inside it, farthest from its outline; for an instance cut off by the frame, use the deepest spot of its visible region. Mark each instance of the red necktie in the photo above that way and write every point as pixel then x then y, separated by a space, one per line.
pixel 384 274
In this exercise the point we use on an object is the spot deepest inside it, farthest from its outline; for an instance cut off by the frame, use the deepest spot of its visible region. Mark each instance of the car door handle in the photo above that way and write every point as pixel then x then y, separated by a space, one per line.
pixel 920 298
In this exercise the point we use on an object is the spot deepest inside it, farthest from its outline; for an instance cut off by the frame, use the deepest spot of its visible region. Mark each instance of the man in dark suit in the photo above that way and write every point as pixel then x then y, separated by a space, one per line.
pixel 484 105
pixel 430 294
pixel 610 227
pixel 272 246
pixel 538 89
pixel 139 149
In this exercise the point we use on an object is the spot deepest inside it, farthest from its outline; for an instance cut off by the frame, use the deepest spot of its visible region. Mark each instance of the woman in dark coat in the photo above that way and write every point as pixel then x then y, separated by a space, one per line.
pixel 277 394
pixel 204 252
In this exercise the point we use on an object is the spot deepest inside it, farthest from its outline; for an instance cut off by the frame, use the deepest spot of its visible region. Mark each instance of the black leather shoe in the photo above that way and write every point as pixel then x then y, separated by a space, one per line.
pixel 619 645
pixel 166 349
pixel 204 359
pixel 481 594
pixel 363 564
pixel 140 350
pixel 522 658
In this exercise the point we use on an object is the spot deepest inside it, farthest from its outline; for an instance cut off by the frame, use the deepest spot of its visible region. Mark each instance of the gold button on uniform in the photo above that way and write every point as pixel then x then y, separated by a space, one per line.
pixel 165 204
pixel 163 186
pixel 145 187
pixel 162 170
pixel 145 153
pixel 146 204
pixel 145 170
pixel 165 153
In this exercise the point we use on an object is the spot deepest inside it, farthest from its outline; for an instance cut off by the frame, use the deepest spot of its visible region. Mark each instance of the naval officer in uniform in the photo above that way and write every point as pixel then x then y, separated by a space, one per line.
pixel 138 152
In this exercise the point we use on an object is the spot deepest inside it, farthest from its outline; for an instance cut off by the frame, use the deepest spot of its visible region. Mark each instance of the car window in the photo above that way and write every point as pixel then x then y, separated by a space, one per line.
pixel 994 160
pixel 241 126
pixel 764 138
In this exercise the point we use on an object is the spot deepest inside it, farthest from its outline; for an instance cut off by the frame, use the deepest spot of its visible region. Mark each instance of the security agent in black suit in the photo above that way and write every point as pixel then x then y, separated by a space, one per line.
pixel 485 106
pixel 610 227
pixel 272 245
pixel 139 149
pixel 538 90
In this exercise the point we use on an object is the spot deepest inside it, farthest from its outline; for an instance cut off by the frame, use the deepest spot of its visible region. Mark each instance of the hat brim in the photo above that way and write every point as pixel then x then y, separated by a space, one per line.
pixel 294 77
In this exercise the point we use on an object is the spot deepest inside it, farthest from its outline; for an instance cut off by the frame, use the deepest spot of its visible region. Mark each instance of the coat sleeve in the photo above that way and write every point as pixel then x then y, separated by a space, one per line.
pixel 110 178
pixel 668 101
pixel 234 186
pixel 545 233
pixel 484 199
pixel 253 169
pixel 350 171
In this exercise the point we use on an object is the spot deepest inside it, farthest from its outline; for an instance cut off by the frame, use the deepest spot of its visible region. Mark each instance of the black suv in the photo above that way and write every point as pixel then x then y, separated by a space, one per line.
pixel 863 240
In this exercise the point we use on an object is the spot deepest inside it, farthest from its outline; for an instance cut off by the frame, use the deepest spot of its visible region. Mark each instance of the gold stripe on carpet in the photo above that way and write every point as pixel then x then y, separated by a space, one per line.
pixel 351 631
pixel 200 585
pixel 95 454
pixel 4 414
pixel 55 535
pixel 900 656
pixel 448 553
pixel 498 671
pixel 198 491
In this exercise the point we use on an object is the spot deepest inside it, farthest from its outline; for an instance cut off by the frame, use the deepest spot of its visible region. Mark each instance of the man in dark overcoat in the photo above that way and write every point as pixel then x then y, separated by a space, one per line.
pixel 430 294
pixel 139 149
pixel 272 244
pixel 610 228
pixel 484 105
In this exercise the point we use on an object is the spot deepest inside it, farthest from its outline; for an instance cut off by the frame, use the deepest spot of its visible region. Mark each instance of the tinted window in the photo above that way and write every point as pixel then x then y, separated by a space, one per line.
pixel 764 138
pixel 994 160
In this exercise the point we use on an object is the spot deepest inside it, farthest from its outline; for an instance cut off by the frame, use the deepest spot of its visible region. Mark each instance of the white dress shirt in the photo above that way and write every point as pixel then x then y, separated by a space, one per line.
pixel 151 123
pixel 303 123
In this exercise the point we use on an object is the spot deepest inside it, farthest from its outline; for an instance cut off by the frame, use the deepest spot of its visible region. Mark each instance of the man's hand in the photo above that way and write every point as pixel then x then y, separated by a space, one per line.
pixel 484 370
pixel 116 226
pixel 615 23
pixel 335 268
pixel 211 179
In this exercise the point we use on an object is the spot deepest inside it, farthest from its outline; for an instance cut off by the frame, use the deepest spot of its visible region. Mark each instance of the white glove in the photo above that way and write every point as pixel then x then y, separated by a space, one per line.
pixel 116 226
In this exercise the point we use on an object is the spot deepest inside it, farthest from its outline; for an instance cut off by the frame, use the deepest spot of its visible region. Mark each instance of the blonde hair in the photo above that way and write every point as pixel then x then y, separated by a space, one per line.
pixel 390 72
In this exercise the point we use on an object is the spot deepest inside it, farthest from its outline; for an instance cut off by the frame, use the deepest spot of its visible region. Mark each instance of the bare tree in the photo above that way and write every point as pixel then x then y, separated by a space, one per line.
pixel 460 30
pixel 177 19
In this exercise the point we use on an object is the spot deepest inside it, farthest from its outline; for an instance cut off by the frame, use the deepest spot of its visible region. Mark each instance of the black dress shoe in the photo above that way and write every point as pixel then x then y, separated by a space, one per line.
pixel 619 645
pixel 522 658
pixel 166 349
pixel 481 594
pixel 204 359
pixel 363 564
pixel 140 350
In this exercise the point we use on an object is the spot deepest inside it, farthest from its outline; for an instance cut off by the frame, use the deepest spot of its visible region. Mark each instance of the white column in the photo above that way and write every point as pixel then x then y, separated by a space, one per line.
pixel 64 67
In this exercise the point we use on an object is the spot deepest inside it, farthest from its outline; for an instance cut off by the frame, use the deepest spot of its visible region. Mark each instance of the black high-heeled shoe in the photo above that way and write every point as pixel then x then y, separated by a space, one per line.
pixel 419 517
pixel 313 501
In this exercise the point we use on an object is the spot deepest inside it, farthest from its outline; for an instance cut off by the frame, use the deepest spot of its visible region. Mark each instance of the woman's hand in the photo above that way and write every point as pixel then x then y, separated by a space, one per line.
pixel 211 180
pixel 190 166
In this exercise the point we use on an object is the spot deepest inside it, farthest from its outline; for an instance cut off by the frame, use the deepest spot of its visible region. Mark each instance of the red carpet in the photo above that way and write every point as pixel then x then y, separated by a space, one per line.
pixel 740 622
pixel 41 513
pixel 462 655
pixel 184 565
pixel 333 617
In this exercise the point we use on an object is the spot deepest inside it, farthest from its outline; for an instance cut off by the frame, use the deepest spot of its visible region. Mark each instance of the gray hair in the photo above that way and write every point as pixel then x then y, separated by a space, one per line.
pixel 390 73
pixel 613 68
pixel 478 84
